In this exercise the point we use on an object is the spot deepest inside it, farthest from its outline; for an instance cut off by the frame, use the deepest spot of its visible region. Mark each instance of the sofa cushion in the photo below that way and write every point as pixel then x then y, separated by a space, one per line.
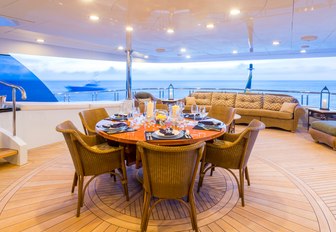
pixel 264 113
pixel 274 102
pixel 190 101
pixel 224 99
pixel 249 101
pixel 202 98
pixel 288 107
pixel 328 127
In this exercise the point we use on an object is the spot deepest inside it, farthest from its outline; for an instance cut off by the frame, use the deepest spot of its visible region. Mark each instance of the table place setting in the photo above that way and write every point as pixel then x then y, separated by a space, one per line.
pixel 209 124
pixel 117 117
pixel 114 128
pixel 167 134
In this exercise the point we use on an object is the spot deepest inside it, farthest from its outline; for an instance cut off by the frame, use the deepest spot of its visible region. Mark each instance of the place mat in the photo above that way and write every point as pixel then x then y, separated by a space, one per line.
pixel 110 131
pixel 117 117
pixel 148 136
pixel 208 127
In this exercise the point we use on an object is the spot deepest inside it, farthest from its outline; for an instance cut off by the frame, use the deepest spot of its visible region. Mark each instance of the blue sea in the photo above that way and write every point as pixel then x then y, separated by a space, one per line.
pixel 182 88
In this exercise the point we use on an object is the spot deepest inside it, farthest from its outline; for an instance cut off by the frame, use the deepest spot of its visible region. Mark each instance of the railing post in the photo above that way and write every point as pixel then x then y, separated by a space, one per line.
pixel 14 110
pixel 307 99
pixel 301 99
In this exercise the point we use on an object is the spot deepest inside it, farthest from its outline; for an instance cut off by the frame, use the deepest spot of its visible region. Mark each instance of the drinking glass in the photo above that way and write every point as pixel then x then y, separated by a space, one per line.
pixel 202 112
pixel 194 110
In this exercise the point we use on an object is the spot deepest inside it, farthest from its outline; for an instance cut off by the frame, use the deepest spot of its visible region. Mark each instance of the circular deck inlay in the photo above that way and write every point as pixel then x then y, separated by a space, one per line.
pixel 106 197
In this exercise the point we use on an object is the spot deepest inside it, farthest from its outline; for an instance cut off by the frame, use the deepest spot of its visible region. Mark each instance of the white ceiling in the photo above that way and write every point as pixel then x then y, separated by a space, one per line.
pixel 67 30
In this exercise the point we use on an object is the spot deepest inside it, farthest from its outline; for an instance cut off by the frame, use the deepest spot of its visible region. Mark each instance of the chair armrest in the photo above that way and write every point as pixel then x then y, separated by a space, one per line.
pixel 230 137
pixel 298 113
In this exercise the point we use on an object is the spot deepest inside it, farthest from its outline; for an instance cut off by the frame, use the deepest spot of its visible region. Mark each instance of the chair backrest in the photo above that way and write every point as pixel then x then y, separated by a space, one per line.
pixel 70 133
pixel 144 95
pixel 90 118
pixel 222 113
pixel 169 172
pixel 250 135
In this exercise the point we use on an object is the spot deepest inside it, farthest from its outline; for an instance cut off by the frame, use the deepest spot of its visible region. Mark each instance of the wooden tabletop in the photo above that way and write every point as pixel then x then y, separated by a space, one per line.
pixel 139 135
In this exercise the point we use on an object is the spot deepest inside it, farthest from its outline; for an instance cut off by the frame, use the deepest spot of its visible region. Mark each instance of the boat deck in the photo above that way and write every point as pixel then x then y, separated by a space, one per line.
pixel 292 188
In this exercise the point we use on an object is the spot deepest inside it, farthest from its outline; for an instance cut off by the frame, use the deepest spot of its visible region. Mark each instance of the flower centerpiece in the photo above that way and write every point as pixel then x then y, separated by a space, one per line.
pixel 161 117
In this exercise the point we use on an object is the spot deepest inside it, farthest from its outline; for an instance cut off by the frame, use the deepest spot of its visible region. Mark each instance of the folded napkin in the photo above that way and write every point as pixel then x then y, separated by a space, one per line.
pixel 120 115
pixel 209 122
pixel 191 115
pixel 115 125
pixel 167 131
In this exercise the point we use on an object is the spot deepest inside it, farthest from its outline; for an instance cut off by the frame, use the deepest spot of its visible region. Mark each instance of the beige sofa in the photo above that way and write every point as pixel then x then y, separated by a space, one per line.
pixel 275 110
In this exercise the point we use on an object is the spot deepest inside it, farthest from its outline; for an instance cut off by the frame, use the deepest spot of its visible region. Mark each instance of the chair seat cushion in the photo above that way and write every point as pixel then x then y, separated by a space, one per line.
pixel 328 127
pixel 102 146
pixel 222 143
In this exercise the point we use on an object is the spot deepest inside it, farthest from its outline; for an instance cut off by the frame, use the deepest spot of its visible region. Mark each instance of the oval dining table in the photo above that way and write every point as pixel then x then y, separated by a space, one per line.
pixel 129 139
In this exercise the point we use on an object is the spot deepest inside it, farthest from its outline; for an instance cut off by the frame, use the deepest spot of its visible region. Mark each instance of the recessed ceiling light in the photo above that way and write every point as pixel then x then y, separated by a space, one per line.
pixel 170 31
pixel 309 37
pixel 234 11
pixel 276 42
pixel 146 57
pixel 188 56
pixel 120 47
pixel 129 28
pixel 234 51
pixel 40 40
pixel 183 50
pixel 210 26
pixel 303 51
pixel 94 17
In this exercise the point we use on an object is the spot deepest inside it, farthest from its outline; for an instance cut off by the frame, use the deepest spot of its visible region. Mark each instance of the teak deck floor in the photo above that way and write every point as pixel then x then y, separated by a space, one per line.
pixel 292 188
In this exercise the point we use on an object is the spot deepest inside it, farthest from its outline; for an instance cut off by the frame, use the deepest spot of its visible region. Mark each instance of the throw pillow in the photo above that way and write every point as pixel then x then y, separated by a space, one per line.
pixel 190 101
pixel 288 107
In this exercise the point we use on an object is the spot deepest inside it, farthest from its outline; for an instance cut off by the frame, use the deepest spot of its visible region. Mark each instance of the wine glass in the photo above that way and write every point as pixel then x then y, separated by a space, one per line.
pixel 202 112
pixel 194 110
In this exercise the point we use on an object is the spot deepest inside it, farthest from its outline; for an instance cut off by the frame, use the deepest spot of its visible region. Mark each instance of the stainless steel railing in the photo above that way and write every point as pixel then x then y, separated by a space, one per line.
pixel 23 97
pixel 308 98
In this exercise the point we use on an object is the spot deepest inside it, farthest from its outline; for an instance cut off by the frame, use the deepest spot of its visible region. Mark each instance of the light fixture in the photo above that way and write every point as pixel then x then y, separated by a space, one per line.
pixel 94 18
pixel 234 51
pixel 303 51
pixel 234 11
pixel 183 50
pixel 129 28
pixel 276 42
pixel 170 92
pixel 40 40
pixel 170 31
pixel 146 57
pixel 325 99
pixel 188 56
pixel 120 47
pixel 210 26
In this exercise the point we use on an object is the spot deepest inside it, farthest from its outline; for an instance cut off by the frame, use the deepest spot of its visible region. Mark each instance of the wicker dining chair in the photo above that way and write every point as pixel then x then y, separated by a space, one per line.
pixel 169 173
pixel 224 114
pixel 90 118
pixel 233 152
pixel 91 158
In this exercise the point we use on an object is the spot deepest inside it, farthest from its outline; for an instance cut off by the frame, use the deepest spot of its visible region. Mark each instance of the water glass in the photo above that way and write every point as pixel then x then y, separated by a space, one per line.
pixel 194 110
pixel 202 112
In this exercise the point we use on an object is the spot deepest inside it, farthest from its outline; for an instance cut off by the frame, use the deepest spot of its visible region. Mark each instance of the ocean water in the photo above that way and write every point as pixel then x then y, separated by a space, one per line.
pixel 183 87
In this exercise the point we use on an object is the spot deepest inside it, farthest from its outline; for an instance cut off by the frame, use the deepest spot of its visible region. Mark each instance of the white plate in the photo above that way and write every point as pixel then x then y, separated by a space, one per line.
pixel 176 135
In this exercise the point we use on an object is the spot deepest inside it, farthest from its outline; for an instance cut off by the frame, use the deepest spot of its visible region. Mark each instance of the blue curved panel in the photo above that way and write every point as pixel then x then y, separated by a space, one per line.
pixel 13 72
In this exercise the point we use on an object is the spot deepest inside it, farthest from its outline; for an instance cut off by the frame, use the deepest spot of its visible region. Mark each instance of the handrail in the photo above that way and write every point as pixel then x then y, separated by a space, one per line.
pixel 303 96
pixel 23 97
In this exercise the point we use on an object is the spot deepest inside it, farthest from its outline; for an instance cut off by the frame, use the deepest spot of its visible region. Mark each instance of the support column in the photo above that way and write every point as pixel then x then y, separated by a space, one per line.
pixel 129 74
pixel 129 64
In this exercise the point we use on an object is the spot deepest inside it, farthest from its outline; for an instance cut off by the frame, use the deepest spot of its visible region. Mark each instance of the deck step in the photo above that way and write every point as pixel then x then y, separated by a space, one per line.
pixel 5 152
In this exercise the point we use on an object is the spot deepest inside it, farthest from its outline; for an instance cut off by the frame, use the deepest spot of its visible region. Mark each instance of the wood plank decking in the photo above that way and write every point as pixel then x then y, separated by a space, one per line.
pixel 293 188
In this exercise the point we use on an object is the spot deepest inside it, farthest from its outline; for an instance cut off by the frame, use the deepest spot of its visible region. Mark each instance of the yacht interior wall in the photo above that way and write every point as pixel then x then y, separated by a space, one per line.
pixel 36 122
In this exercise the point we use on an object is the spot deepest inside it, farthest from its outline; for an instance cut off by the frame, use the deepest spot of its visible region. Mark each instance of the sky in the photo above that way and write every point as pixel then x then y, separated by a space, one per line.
pixel 57 68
